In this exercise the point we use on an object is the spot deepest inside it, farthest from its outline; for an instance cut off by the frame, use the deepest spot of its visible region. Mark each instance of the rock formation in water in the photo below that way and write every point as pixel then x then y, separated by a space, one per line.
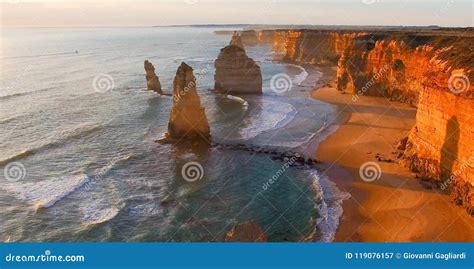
pixel 432 70
pixel 248 231
pixel 237 40
pixel 236 72
pixel 152 81
pixel 188 118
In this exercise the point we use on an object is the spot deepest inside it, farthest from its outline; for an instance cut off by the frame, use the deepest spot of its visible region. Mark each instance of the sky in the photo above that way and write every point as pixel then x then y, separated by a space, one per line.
pixel 66 13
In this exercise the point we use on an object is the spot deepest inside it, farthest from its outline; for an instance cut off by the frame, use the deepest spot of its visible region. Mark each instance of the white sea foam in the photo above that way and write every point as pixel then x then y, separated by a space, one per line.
pixel 244 103
pixel 46 193
pixel 308 126
pixel 97 213
pixel 273 115
pixel 180 58
pixel 145 210
pixel 298 79
pixel 329 199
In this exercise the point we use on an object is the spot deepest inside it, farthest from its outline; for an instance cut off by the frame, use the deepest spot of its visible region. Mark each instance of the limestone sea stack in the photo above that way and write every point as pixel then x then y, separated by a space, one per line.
pixel 237 40
pixel 152 81
pixel 188 118
pixel 236 72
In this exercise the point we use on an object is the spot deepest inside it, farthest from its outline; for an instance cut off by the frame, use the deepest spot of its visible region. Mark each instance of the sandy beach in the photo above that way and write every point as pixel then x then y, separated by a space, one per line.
pixel 396 207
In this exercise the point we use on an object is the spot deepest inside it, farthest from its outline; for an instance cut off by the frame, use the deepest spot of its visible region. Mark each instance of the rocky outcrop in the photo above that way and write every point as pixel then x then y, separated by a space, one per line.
pixel 152 80
pixel 236 72
pixel 188 118
pixel 248 231
pixel 237 40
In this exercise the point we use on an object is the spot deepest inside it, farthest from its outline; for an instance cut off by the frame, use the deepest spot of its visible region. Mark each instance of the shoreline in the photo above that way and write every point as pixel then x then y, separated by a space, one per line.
pixel 396 207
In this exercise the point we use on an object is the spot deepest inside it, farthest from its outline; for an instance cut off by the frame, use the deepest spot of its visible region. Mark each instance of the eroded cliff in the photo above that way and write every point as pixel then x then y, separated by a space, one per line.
pixel 431 71
pixel 312 46
pixel 397 65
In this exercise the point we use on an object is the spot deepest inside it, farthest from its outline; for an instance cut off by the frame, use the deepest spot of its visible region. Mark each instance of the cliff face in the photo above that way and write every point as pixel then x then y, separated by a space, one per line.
pixel 312 47
pixel 152 81
pixel 441 145
pixel 279 41
pixel 188 118
pixel 396 67
pixel 236 72
pixel 249 37
pixel 431 71
pixel 265 36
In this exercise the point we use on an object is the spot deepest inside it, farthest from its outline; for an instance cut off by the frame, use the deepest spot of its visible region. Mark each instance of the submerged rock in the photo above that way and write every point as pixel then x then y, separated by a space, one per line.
pixel 236 72
pixel 152 80
pixel 248 231
pixel 188 118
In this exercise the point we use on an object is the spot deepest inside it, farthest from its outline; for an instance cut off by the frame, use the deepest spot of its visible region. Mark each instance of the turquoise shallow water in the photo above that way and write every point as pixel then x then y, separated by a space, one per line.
pixel 89 158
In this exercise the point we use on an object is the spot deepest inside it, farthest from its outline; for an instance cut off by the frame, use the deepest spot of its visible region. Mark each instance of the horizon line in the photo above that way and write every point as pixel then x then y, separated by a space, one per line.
pixel 234 24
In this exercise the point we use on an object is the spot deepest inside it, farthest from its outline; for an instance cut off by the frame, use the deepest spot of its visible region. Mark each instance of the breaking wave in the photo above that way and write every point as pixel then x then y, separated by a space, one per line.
pixel 46 193
pixel 329 199
pixel 64 137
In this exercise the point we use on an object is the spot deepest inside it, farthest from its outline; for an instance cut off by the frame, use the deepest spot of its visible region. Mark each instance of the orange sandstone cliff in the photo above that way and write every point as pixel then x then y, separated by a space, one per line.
pixel 312 46
pixel 432 73
pixel 431 70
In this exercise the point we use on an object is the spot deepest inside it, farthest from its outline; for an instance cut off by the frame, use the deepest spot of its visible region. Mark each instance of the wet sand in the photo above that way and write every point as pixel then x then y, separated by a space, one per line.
pixel 395 207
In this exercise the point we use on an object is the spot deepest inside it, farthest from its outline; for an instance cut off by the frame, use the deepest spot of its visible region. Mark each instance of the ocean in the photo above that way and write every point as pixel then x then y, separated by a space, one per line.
pixel 79 159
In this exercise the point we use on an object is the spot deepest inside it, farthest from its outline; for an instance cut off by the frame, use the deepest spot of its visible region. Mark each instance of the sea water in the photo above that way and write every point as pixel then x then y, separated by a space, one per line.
pixel 80 126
